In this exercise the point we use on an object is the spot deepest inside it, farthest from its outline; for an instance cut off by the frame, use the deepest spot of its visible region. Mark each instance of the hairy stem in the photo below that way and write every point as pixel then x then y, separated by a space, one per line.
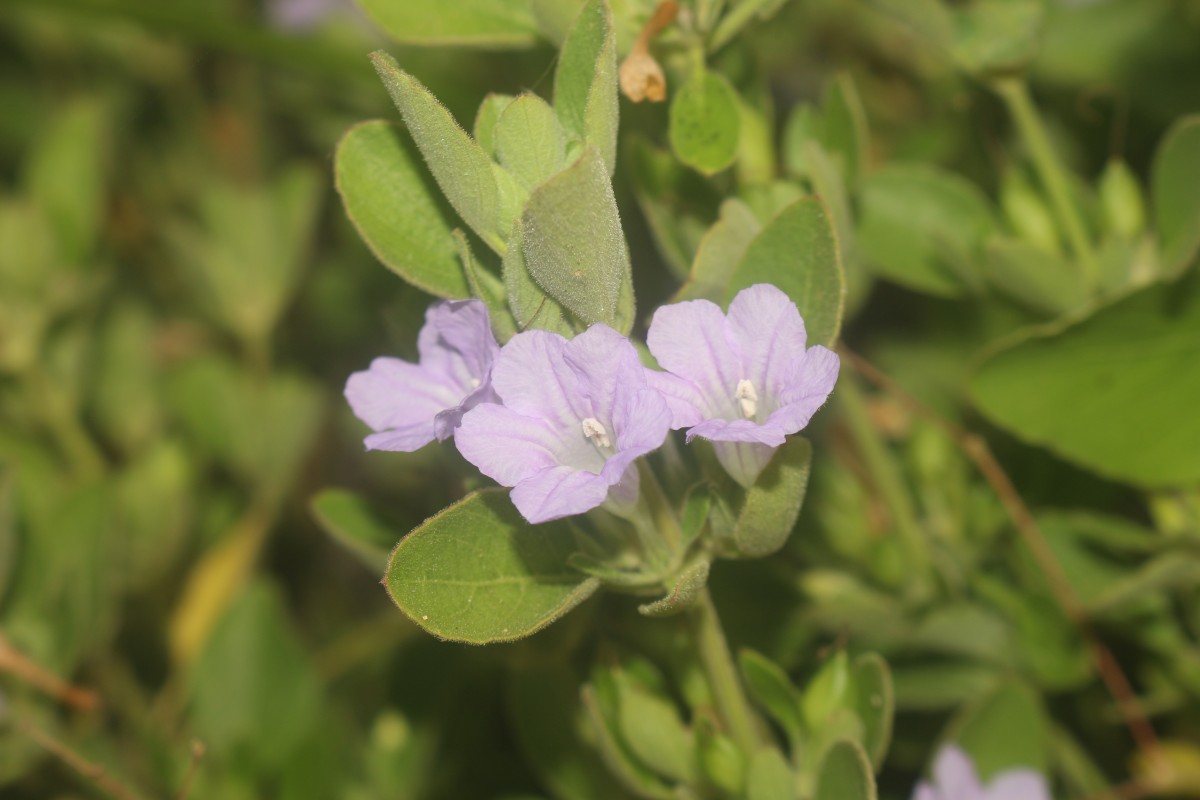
pixel 717 661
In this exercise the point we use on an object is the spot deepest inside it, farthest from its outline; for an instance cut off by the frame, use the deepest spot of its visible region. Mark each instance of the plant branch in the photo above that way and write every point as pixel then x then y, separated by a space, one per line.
pixel 88 769
pixel 977 450
pixel 22 667
pixel 717 661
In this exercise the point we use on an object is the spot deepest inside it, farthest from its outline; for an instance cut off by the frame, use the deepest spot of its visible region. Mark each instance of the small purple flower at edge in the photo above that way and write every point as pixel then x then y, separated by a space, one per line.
pixel 743 380
pixel 575 416
pixel 955 778
pixel 409 405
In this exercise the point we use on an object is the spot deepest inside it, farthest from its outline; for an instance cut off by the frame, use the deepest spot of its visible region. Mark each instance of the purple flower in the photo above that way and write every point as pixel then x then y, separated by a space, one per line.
pixel 576 415
pixel 743 381
pixel 954 778
pixel 409 405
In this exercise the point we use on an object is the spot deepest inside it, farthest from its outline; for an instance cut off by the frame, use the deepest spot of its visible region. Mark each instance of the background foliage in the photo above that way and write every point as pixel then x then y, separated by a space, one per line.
pixel 1003 494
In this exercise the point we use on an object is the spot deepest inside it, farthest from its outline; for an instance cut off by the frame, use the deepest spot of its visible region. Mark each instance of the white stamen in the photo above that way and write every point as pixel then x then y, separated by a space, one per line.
pixel 594 430
pixel 473 383
pixel 747 398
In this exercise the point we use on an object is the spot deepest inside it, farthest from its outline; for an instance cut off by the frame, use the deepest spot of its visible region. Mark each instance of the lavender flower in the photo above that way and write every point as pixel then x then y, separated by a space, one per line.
pixel 954 778
pixel 409 405
pixel 744 381
pixel 576 415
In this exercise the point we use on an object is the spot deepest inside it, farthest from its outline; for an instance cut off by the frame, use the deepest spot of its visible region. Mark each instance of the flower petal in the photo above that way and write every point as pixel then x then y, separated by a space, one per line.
pixel 506 446
pixel 397 395
pixel 738 430
pixel 532 379
pixel 640 422
pixel 1018 784
pixel 768 334
pixel 558 492
pixel 407 439
pixel 463 326
pixel 446 421
pixel 955 775
pixel 688 339
pixel 606 366
pixel 926 792
pixel 682 397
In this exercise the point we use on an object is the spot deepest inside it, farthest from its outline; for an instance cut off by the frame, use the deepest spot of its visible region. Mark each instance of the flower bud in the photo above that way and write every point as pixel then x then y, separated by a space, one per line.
pixel 1121 200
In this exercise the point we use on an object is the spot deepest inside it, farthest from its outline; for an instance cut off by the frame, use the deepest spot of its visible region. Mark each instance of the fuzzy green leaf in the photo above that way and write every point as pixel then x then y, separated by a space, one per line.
pixel 585 82
pixel 845 774
pixel 478 573
pixel 705 123
pixel 529 140
pixel 401 217
pixel 773 504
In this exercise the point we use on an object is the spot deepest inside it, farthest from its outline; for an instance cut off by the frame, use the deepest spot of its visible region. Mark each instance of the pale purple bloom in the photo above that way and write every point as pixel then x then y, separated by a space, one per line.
pixel 955 778
pixel 302 15
pixel 743 380
pixel 409 405
pixel 576 415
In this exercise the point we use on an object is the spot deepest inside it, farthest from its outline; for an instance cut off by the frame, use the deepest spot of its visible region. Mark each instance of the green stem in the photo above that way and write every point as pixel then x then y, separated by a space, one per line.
pixel 1015 94
pixel 887 478
pixel 722 675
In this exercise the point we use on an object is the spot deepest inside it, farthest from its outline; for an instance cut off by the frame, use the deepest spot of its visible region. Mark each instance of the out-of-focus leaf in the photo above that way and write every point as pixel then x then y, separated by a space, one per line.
pixel 1041 280
pixel 1005 729
pixel 720 252
pixel 347 518
pixel 678 204
pixel 461 168
pixel 769 777
pixel 66 176
pixel 8 529
pixel 921 227
pixel 572 241
pixel 1121 198
pixel 651 726
pixel 720 762
pixel 829 690
pixel 936 687
pixel 845 774
pixel 1112 392
pixel 876 704
pixel 705 123
pixel 253 692
pixel 398 213
pixel 797 251
pixel 585 81
pixel 771 689
pixel 1166 573
pixel 471 23
pixel 155 503
pixel 127 386
pixel 773 504
pixel 997 35
pixel 478 573
pixel 1174 177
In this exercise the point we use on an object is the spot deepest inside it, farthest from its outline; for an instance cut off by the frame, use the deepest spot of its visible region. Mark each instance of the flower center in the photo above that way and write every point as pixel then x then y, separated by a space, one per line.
pixel 747 398
pixel 594 431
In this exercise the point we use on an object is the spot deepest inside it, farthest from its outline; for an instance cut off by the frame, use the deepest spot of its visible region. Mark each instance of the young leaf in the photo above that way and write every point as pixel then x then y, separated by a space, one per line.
pixel 773 504
pixel 461 168
pixel 396 211
pixel 1040 280
pixel 1114 392
pixel 486 118
pixel 486 287
pixel 1173 181
pixel 798 252
pixel 531 307
pixel 876 704
pixel 1005 729
pixel 346 517
pixel 771 689
pixel 651 726
pixel 629 771
pixel 997 35
pixel 720 761
pixel 720 251
pixel 529 140
pixel 478 573
pixel 769 777
pixel 474 23
pixel 704 123
pixel 688 585
pixel 585 81
pixel 572 242
pixel 828 691
pixel 845 774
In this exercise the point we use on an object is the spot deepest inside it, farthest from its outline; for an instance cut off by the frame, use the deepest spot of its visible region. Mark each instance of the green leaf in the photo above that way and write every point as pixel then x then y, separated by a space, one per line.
pixel 876 705
pixel 704 123
pixel 1174 177
pixel 720 761
pixel 66 175
pixel 346 517
pixel 473 23
pixel 845 774
pixel 720 252
pixel 651 726
pixel 771 689
pixel 997 35
pixel 769 777
pixel 572 242
pixel 922 227
pixel 461 168
pixel 253 691
pixel 486 118
pixel 1164 574
pixel 941 686
pixel 689 583
pixel 1042 281
pixel 1121 196
pixel 599 706
pixel 478 573
pixel 8 528
pixel 797 251
pixel 678 204
pixel 1004 730
pixel 828 691
pixel 585 81
pixel 931 20
pixel 401 217
pixel 545 708
pixel 844 127
pixel 155 502
pixel 486 287
pixel 530 142
pixel 1114 392
pixel 773 504
pixel 531 307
